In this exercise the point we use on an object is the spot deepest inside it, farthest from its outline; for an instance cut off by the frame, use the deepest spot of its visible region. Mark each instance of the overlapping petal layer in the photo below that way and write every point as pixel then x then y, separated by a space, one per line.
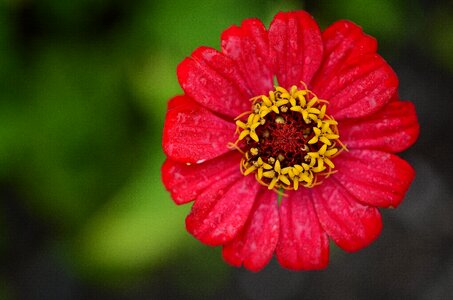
pixel 254 245
pixel 374 177
pixel 248 46
pixel 340 65
pixel 343 41
pixel 222 209
pixel 212 79
pixel 392 129
pixel 192 133
pixel 296 47
pixel 350 224
pixel 360 87
pixel 186 182
pixel 303 244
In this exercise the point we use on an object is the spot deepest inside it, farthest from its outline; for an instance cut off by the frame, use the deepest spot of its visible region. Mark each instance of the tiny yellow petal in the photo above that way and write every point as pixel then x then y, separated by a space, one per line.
pixel 256 118
pixel 313 117
pixel 241 124
pixel 313 110
pixel 275 109
pixel 243 134
pixel 254 136
pixel 331 122
pixel 325 127
pixel 285 96
pixel 322 150
pixel 331 152
pixel 284 179
pixel 299 168
pixel 313 154
pixel 325 140
pixel 305 166
pixel 260 173
pixel 302 100
pixel 304 177
pixel 313 140
pixel 329 163
pixel 332 136
pixel 249 170
pixel 322 113
pixel 272 96
pixel 281 90
pixel 312 102
pixel 320 163
pixel 254 125
pixel 281 102
pixel 316 130
pixel 269 174
pixel 286 170
pixel 318 169
pixel 250 118
pixel 267 166
pixel 264 112
pixel 266 101
pixel 272 184
pixel 296 185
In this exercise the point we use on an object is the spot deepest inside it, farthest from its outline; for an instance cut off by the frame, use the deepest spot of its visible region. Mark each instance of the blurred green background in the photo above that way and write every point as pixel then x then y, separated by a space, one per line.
pixel 83 92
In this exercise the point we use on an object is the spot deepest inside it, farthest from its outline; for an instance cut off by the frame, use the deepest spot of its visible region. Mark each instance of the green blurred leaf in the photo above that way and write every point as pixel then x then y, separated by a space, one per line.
pixel 383 19
pixel 139 228
pixel 177 33
pixel 440 36
pixel 77 133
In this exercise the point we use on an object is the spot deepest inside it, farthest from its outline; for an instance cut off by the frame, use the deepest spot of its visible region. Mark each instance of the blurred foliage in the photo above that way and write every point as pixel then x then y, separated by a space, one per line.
pixel 440 33
pixel 84 86
pixel 84 93
pixel 383 18
pixel 136 227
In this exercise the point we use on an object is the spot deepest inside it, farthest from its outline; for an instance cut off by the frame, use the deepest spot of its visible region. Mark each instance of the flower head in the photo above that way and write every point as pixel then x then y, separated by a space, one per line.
pixel 282 168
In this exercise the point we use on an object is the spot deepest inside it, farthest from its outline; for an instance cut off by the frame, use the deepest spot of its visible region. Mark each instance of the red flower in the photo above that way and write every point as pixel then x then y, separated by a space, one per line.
pixel 322 141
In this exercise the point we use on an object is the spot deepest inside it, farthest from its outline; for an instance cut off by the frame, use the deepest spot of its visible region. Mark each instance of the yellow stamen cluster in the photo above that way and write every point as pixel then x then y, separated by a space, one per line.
pixel 320 139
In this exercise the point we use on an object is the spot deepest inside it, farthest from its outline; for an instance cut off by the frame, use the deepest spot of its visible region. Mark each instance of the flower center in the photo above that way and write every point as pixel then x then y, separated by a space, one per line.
pixel 287 139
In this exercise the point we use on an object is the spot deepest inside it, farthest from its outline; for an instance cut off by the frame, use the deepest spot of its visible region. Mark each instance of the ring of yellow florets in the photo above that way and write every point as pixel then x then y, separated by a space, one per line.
pixel 287 139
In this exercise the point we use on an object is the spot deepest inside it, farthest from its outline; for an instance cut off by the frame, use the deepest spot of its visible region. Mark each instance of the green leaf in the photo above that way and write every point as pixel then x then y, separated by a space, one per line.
pixel 138 229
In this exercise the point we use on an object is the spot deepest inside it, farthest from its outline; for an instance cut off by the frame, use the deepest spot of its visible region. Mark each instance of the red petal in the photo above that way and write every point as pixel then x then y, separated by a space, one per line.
pixel 213 80
pixel 255 245
pixel 359 87
pixel 192 133
pixel 186 182
pixel 296 46
pixel 374 177
pixel 248 46
pixel 222 210
pixel 303 244
pixel 350 224
pixel 343 41
pixel 392 129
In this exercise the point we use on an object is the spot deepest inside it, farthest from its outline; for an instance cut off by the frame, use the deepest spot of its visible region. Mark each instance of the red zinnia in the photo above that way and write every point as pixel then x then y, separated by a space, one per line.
pixel 321 141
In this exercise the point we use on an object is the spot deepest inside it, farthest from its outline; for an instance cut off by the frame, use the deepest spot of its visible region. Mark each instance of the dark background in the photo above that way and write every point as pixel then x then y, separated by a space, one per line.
pixel 83 213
